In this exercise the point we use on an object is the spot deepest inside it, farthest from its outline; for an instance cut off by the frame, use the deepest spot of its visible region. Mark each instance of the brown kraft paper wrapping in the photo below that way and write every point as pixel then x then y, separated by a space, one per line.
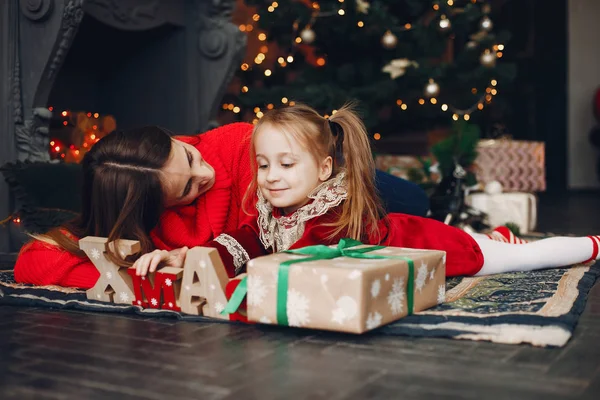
pixel 346 294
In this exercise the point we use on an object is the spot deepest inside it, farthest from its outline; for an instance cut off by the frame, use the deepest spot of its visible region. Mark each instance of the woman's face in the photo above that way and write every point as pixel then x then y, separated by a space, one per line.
pixel 186 175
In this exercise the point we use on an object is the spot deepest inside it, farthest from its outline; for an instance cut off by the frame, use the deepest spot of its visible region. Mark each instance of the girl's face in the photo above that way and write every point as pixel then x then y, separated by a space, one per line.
pixel 186 175
pixel 287 172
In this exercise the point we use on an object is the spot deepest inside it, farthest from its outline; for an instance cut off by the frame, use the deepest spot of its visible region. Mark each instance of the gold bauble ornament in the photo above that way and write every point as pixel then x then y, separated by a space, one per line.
pixel 488 59
pixel 308 35
pixel 389 40
pixel 486 24
pixel 444 23
pixel 432 89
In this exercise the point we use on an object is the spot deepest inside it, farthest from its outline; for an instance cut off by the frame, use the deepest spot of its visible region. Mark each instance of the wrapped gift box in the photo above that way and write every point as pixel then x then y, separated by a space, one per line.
pixel 345 294
pixel 397 165
pixel 518 165
pixel 501 208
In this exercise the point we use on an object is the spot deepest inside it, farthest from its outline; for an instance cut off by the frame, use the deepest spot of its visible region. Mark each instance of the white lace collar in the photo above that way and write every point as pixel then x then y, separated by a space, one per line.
pixel 280 233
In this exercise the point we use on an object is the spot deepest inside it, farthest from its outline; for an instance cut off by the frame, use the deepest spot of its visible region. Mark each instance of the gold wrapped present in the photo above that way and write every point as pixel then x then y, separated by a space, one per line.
pixel 349 287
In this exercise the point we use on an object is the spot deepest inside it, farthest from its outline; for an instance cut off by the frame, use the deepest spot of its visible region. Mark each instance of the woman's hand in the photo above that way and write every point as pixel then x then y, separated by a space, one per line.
pixel 149 262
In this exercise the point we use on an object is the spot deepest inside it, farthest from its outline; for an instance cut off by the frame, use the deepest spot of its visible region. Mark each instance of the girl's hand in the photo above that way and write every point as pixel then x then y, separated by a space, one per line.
pixel 149 262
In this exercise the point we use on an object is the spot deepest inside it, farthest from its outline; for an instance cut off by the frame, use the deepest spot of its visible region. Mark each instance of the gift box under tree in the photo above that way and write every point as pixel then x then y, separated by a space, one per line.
pixel 349 287
pixel 518 165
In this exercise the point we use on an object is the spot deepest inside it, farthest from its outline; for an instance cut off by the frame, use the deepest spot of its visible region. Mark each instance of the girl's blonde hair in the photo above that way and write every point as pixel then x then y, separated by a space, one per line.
pixel 344 138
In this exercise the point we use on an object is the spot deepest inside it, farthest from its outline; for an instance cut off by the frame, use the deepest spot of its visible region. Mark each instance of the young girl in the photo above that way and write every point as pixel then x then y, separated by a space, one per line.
pixel 315 185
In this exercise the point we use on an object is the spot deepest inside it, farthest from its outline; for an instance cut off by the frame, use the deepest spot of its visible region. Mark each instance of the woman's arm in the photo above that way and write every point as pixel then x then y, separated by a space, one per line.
pixel 40 263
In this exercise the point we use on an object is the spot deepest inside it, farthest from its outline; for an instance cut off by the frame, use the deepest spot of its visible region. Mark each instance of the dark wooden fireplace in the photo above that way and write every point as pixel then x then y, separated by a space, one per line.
pixel 164 62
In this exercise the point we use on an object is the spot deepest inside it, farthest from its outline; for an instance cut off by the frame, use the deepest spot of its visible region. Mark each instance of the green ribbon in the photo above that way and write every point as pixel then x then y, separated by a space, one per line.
pixel 320 252
pixel 236 297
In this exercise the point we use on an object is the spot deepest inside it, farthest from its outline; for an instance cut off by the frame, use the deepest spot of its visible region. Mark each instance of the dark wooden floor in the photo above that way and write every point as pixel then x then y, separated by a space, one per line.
pixel 73 355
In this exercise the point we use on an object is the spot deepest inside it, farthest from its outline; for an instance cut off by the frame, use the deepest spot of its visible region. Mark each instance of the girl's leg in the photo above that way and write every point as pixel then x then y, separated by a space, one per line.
pixel 546 253
pixel 401 196
pixel 500 234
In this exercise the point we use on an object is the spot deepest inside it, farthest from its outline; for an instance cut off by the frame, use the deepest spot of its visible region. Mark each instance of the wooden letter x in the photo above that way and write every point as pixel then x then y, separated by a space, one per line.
pixel 204 281
pixel 114 284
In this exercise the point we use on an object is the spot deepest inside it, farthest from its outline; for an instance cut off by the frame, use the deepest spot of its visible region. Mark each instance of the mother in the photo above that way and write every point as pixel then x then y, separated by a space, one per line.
pixel 166 192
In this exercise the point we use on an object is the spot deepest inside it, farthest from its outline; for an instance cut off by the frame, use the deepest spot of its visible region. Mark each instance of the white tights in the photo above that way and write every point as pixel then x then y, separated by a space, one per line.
pixel 553 252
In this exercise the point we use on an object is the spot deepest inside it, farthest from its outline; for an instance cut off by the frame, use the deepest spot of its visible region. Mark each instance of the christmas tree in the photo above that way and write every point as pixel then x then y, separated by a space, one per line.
pixel 408 63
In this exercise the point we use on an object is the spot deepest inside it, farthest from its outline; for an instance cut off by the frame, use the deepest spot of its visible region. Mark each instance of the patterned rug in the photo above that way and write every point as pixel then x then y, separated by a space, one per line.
pixel 540 308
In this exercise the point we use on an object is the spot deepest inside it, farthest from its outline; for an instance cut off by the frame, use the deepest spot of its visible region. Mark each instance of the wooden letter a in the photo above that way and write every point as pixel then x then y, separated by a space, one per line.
pixel 204 282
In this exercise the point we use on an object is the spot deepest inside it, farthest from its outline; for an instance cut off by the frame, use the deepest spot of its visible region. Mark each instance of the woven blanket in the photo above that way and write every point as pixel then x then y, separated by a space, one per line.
pixel 540 308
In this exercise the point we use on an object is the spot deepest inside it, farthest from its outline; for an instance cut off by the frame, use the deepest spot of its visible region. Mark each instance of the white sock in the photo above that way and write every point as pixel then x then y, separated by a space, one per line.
pixel 546 253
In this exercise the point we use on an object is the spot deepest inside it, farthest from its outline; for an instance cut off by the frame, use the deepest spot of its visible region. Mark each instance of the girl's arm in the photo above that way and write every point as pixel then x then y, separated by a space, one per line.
pixel 235 248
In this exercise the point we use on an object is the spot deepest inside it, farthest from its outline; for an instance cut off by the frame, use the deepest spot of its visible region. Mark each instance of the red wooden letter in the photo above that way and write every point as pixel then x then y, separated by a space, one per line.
pixel 158 290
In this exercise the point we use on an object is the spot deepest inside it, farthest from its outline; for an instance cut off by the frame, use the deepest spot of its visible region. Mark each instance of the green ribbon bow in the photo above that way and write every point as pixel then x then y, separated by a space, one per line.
pixel 319 252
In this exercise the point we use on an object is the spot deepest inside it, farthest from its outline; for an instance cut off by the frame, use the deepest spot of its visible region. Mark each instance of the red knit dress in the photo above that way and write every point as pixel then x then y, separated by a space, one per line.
pixel 227 150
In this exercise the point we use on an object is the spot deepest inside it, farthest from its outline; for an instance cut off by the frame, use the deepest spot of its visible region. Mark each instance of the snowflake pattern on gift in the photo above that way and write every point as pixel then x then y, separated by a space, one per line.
pixel 95 254
pixel 124 297
pixel 354 275
pixel 373 320
pixel 441 297
pixel 265 320
pixel 375 288
pixel 154 302
pixel 168 282
pixel 297 308
pixel 108 275
pixel 396 296
pixel 421 277
pixel 432 274
pixel 256 290
pixel 338 316
pixel 219 307
pixel 346 309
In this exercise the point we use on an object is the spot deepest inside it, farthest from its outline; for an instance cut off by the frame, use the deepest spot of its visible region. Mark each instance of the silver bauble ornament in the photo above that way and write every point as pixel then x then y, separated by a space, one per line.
pixel 389 40
pixel 308 35
pixel 432 89
pixel 488 59
pixel 444 23
pixel 486 23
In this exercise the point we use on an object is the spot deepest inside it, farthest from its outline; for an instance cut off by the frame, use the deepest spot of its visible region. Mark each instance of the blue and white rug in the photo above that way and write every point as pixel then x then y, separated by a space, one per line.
pixel 540 308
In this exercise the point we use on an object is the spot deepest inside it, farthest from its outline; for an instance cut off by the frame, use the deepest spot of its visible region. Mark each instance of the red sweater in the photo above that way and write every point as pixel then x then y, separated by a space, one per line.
pixel 226 149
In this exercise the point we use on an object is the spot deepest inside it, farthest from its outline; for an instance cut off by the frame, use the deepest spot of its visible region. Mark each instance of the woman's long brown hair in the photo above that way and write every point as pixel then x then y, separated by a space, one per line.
pixel 122 196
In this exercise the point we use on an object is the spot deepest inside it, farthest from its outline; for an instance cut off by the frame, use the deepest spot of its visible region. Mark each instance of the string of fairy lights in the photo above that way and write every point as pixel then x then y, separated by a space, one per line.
pixel 90 128
pixel 304 34
pixel 87 128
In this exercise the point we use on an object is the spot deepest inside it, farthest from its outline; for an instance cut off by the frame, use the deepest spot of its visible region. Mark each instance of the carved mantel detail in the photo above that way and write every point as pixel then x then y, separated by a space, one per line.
pixel 36 10
pixel 139 15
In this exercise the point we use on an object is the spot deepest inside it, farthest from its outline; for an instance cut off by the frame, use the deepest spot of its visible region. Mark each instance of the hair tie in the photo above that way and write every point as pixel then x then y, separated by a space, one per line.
pixel 338 133
pixel 336 129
